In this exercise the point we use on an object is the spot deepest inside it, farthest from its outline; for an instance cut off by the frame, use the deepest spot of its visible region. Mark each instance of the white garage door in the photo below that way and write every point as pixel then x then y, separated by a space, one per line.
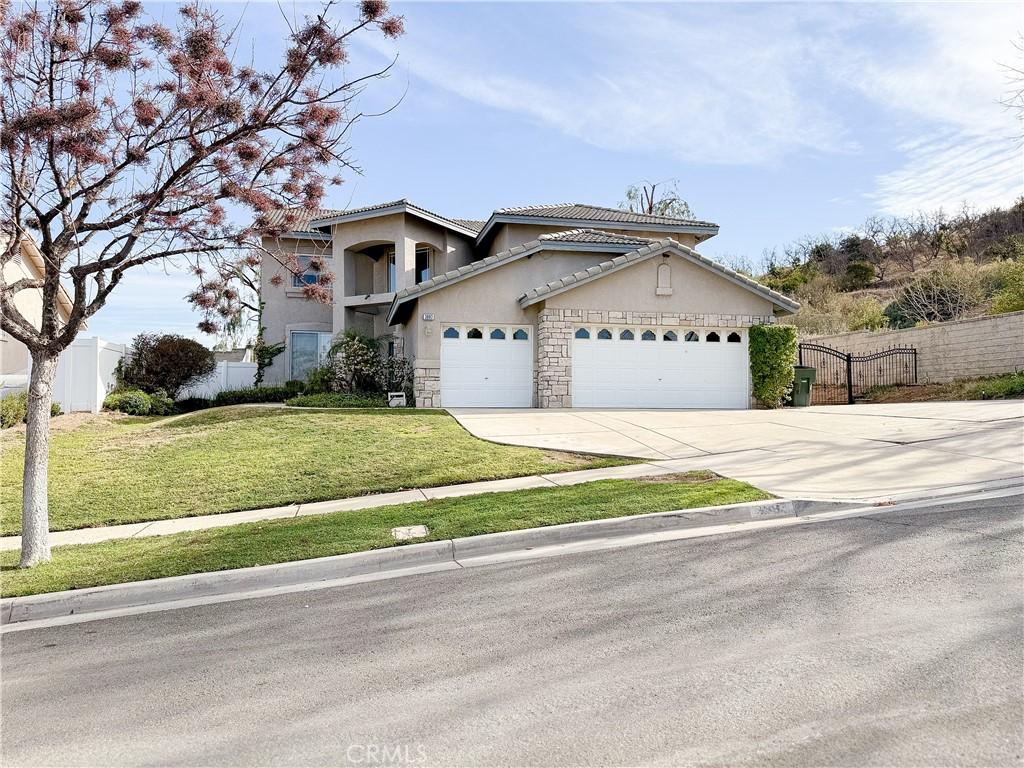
pixel 636 367
pixel 486 366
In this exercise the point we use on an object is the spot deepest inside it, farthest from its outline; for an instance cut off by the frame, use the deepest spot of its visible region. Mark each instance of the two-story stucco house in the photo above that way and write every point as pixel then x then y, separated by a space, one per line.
pixel 546 306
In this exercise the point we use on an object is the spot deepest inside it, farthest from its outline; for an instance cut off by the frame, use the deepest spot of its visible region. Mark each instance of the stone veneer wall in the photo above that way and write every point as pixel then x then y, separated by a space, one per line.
pixel 426 387
pixel 982 346
pixel 555 331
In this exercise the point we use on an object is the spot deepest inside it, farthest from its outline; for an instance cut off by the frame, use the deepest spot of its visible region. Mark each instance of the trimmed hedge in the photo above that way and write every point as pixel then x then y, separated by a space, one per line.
pixel 339 400
pixel 772 357
pixel 190 404
pixel 253 395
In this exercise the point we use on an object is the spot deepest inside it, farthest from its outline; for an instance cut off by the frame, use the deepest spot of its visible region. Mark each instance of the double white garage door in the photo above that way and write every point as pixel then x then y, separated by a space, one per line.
pixel 612 367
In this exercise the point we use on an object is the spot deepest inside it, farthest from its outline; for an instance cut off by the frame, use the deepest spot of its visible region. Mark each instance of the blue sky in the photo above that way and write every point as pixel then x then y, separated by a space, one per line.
pixel 778 120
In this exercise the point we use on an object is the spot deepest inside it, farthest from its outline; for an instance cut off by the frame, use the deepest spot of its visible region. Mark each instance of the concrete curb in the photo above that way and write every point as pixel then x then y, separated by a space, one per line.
pixel 176 589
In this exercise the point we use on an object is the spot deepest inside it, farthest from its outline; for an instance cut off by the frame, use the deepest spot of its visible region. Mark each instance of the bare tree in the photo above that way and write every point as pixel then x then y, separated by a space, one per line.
pixel 125 142
pixel 646 198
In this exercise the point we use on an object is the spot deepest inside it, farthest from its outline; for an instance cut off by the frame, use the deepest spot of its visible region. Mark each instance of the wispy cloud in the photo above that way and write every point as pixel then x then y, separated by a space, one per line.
pixel 753 85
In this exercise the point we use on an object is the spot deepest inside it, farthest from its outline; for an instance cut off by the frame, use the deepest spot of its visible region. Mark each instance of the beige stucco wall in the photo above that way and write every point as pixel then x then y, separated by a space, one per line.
pixel 490 297
pixel 695 290
pixel 983 346
pixel 285 308
pixel 509 235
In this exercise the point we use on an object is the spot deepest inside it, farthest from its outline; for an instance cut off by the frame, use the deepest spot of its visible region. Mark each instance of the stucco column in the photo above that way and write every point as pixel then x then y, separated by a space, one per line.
pixel 343 276
pixel 554 360
pixel 405 262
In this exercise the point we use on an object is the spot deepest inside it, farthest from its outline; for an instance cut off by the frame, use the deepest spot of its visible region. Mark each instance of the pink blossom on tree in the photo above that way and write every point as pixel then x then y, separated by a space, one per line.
pixel 125 142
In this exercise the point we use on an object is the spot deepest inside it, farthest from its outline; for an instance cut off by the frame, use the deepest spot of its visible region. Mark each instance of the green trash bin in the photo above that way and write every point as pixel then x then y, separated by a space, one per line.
pixel 803 380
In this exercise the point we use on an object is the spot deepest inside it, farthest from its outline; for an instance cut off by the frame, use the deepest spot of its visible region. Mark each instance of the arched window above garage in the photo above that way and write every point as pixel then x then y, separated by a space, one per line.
pixel 521 334
pixel 604 333
pixel 691 336
pixel 582 333
pixel 474 333
pixel 649 336
pixel 712 337
pixel 498 334
pixel 626 335
pixel 451 333
pixel 734 338
pixel 670 336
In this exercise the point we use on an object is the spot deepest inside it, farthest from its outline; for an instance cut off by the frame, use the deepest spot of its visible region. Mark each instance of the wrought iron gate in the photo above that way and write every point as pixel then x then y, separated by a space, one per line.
pixel 843 377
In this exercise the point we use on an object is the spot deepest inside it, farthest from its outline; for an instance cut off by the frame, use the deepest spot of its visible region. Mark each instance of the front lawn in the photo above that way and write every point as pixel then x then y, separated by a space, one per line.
pixel 121 469
pixel 1007 386
pixel 279 541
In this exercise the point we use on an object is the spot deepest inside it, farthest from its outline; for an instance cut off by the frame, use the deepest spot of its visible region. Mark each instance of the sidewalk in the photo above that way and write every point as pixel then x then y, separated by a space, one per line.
pixel 203 522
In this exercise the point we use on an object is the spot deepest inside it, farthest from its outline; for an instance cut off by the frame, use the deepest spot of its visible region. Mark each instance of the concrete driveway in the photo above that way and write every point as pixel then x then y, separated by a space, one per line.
pixel 822 452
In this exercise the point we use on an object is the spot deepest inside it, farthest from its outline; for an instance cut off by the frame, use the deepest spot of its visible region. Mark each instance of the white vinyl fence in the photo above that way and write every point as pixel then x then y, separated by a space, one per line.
pixel 85 374
pixel 225 376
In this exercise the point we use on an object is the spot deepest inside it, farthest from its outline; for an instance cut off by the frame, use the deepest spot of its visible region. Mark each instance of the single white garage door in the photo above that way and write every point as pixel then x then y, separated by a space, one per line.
pixel 636 367
pixel 486 366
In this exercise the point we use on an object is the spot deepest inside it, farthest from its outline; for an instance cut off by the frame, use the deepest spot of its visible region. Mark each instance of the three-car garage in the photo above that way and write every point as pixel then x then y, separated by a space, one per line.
pixel 492 366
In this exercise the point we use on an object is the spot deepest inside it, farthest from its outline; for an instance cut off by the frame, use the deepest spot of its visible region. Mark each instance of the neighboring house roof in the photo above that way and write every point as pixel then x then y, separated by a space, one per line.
pixel 583 214
pixel 35 258
pixel 462 226
pixel 653 248
pixel 576 238
pixel 232 355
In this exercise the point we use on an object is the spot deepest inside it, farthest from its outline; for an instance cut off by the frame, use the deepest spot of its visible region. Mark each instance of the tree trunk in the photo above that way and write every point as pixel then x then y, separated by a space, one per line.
pixel 35 521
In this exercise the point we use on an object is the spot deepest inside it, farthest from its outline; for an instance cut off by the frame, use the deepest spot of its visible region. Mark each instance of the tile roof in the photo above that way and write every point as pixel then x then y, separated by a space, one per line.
pixel 597 213
pixel 402 205
pixel 594 236
pixel 653 248
pixel 275 218
pixel 474 224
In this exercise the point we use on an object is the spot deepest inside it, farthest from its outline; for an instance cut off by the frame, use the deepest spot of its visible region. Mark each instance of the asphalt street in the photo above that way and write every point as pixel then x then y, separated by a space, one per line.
pixel 896 639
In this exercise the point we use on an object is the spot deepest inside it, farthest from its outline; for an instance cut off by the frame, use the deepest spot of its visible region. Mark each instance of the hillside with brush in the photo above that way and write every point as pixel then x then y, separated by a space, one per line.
pixel 899 272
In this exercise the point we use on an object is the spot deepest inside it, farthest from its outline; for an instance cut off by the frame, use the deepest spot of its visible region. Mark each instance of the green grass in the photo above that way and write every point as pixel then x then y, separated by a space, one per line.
pixel 120 469
pixel 1004 387
pixel 278 541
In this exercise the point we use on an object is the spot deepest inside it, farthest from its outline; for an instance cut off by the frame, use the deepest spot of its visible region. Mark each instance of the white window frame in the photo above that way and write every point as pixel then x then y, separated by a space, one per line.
pixel 323 347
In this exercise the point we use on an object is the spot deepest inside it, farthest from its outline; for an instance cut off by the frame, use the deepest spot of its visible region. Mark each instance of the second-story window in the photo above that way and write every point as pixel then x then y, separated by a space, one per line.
pixel 423 272
pixel 308 276
pixel 392 273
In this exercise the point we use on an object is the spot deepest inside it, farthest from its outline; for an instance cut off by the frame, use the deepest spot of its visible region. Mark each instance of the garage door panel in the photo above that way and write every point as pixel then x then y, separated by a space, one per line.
pixel 618 373
pixel 486 373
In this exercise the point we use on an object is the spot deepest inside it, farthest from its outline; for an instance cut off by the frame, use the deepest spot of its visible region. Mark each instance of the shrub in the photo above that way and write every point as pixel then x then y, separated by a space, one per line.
pixel 950 292
pixel 866 314
pixel 323 378
pixel 1009 295
pixel 165 362
pixel 772 357
pixel 190 404
pixel 358 361
pixel 13 409
pixel 998 387
pixel 252 395
pixel 859 275
pixel 296 386
pixel 339 400
pixel 160 404
pixel 134 402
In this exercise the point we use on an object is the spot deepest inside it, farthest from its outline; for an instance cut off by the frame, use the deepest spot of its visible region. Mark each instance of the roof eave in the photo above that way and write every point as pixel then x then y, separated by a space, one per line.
pixel 778 300
pixel 391 210
pixel 708 230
